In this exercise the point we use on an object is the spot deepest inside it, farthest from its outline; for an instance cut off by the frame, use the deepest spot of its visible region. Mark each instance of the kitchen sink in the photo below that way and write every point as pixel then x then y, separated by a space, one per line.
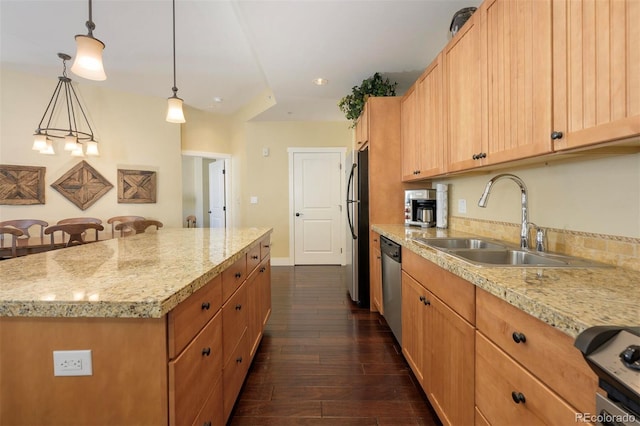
pixel 485 252
pixel 459 243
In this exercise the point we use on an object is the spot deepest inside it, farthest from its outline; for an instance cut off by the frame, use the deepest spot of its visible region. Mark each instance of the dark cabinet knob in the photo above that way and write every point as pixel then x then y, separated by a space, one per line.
pixel 263 269
pixel 239 360
pixel 254 257
pixel 206 424
pixel 518 397
pixel 206 306
pixel 426 302
pixel 422 298
pixel 556 135
pixel 238 274
pixel 483 155
pixel 206 352
pixel 519 337
pixel 238 307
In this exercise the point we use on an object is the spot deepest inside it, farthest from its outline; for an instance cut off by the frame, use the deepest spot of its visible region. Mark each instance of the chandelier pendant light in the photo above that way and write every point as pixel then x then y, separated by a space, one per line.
pixel 174 103
pixel 65 101
pixel 88 61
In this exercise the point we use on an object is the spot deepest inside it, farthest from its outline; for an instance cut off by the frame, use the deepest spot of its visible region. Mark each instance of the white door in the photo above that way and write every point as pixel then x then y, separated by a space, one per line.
pixel 317 207
pixel 217 209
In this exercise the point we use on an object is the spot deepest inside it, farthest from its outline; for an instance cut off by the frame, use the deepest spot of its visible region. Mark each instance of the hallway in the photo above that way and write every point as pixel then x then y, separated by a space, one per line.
pixel 324 361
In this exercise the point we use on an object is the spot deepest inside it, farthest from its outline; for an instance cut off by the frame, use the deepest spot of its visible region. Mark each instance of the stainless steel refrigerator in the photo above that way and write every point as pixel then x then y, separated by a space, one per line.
pixel 357 177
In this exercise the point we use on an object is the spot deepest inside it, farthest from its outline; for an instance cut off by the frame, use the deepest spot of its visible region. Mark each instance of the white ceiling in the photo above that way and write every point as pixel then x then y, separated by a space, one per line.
pixel 236 49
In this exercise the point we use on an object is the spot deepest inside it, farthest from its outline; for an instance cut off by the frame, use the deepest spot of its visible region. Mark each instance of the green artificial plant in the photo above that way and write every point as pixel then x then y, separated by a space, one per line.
pixel 352 105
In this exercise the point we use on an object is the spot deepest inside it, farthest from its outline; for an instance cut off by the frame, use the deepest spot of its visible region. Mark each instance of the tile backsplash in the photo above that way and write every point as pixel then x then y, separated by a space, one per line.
pixel 610 249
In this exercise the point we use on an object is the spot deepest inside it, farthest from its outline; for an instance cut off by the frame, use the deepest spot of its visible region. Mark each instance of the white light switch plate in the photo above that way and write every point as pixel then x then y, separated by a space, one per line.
pixel 253 200
pixel 462 206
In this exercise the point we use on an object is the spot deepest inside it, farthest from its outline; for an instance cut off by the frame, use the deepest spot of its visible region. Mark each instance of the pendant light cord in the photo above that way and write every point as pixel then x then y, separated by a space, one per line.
pixel 90 25
pixel 174 88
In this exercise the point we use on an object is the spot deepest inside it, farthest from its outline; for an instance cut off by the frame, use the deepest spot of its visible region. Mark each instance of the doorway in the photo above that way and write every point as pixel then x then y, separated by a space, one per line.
pixel 316 204
pixel 206 190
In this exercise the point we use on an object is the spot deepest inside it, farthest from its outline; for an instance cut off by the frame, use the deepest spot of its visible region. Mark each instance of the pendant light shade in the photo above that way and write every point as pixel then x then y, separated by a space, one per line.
pixel 174 103
pixel 65 119
pixel 88 62
pixel 174 110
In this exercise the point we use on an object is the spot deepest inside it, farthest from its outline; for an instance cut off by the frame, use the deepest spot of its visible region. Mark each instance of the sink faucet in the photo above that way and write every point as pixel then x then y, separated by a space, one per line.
pixel 524 229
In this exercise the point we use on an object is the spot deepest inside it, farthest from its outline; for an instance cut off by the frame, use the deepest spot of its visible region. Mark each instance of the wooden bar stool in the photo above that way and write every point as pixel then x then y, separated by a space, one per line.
pixel 74 230
pixel 191 221
pixel 119 219
pixel 15 233
pixel 139 226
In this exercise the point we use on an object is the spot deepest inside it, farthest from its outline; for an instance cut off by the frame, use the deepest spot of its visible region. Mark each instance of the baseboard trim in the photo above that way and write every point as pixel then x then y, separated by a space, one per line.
pixel 281 261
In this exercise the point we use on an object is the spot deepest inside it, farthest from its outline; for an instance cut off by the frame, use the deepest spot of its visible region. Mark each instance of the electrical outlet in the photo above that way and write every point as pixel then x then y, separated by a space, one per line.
pixel 72 363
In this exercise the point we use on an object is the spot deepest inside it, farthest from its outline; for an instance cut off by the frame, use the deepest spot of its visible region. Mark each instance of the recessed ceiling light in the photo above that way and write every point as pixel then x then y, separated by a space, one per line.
pixel 320 81
pixel 218 99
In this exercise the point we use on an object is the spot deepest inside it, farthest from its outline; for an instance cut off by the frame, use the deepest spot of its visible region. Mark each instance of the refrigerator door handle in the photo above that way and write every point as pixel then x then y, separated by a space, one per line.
pixel 350 182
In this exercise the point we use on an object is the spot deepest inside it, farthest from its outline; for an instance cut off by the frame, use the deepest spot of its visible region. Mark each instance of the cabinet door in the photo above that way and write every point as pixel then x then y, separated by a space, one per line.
pixel 265 291
pixel 375 274
pixel 463 101
pixel 362 128
pixel 430 140
pixel 596 59
pixel 516 67
pixel 409 135
pixel 449 367
pixel 413 296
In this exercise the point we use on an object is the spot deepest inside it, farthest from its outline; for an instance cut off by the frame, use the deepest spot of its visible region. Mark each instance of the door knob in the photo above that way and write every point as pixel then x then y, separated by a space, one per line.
pixel 298 214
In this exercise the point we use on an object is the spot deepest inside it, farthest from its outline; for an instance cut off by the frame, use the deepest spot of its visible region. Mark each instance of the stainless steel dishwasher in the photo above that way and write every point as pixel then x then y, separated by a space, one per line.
pixel 391 285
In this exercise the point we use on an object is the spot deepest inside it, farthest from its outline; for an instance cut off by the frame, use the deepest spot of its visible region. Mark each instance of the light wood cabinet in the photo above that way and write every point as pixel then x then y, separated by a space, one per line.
pixel 463 97
pixel 259 299
pixel 516 79
pixel 437 341
pixel 423 141
pixel 362 128
pixel 376 274
pixel 543 350
pixel 596 59
pixel 507 394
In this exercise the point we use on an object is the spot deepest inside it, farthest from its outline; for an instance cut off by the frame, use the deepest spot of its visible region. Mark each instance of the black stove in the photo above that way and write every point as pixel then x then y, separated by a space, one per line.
pixel 614 354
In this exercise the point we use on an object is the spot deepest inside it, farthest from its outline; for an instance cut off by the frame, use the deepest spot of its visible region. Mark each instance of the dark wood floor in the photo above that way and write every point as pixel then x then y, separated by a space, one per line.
pixel 324 361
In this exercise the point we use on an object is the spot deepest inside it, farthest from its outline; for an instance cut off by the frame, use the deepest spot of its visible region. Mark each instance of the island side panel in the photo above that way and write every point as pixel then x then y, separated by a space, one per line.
pixel 129 381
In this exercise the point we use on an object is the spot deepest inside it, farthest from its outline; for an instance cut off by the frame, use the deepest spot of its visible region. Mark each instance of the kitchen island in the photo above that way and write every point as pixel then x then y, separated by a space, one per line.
pixel 151 309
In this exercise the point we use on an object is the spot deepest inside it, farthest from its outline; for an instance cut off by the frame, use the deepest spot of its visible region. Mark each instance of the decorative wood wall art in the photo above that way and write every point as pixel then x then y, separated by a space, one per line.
pixel 136 186
pixel 21 185
pixel 82 185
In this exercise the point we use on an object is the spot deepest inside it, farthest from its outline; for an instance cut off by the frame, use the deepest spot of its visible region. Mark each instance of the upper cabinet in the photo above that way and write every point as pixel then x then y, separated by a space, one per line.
pixel 409 135
pixel 516 79
pixel 362 128
pixel 463 97
pixel 596 86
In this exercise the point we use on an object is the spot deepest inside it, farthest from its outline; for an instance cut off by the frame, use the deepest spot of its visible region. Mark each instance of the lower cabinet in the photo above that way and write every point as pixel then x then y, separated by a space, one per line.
pixel 375 274
pixel 437 342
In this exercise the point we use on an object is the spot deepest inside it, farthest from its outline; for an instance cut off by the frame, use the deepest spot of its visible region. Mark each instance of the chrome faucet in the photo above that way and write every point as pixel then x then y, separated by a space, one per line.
pixel 524 229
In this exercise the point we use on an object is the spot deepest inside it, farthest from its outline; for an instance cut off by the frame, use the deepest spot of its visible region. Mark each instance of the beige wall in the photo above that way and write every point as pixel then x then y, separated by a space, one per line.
pixel 268 177
pixel 595 195
pixel 131 131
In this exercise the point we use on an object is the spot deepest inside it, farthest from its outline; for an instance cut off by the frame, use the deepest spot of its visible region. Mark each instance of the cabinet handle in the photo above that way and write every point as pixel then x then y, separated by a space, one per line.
pixel 263 269
pixel 519 337
pixel 422 298
pixel 239 360
pixel 556 135
pixel 266 246
pixel 238 275
pixel 426 302
pixel 238 307
pixel 206 306
pixel 518 397
pixel 206 352
pixel 474 157
pixel 254 257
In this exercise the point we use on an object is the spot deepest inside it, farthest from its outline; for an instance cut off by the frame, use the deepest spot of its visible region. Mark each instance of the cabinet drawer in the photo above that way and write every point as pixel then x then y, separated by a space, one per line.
pixel 234 322
pixel 233 276
pixel 499 379
pixel 188 318
pixel 234 373
pixel 265 247
pixel 253 259
pixel 457 293
pixel 547 352
pixel 212 413
pixel 192 374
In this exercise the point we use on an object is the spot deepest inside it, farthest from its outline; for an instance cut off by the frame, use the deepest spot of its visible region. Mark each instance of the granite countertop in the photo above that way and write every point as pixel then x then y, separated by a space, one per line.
pixel 569 299
pixel 142 276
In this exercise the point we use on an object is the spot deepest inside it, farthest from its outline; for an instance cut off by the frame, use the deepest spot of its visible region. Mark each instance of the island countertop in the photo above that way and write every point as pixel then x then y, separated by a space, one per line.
pixel 142 276
pixel 570 299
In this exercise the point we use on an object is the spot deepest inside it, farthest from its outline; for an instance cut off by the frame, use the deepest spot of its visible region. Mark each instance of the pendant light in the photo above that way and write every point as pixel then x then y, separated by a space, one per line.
pixel 174 103
pixel 55 124
pixel 88 62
